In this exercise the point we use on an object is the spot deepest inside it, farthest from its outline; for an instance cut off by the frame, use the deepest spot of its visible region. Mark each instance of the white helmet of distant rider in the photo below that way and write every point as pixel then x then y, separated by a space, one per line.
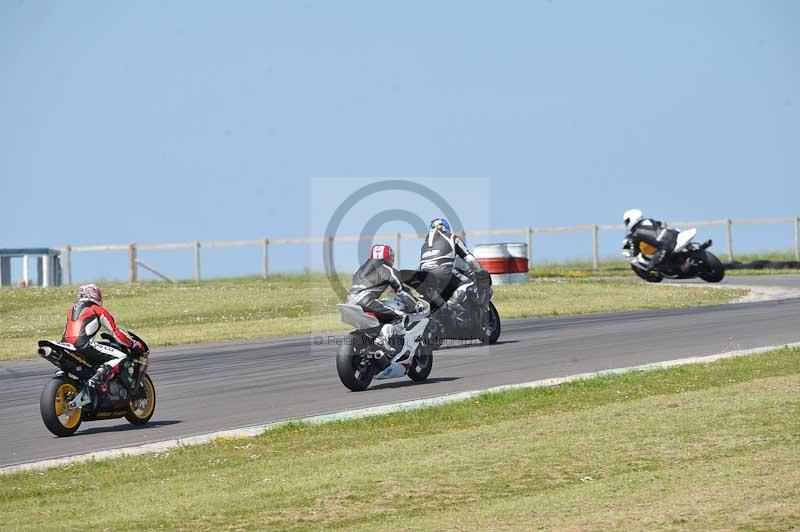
pixel 631 218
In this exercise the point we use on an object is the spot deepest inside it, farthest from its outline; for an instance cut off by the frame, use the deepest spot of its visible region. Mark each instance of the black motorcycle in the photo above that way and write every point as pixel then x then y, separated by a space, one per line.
pixel 477 320
pixel 687 261
pixel 67 400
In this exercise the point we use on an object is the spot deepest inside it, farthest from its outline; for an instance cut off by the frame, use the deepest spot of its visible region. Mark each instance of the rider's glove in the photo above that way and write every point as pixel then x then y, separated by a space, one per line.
pixel 419 307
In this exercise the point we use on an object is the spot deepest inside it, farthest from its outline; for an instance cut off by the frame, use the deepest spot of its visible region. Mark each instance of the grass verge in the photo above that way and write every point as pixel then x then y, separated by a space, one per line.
pixel 697 447
pixel 165 314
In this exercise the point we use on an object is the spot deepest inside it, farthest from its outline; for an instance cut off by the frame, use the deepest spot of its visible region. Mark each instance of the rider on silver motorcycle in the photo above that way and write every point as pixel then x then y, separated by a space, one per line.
pixel 369 283
pixel 650 232
pixel 451 267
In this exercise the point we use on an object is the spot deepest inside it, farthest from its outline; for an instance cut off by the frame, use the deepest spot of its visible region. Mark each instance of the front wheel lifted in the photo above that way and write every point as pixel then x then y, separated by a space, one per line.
pixel 54 406
pixel 354 371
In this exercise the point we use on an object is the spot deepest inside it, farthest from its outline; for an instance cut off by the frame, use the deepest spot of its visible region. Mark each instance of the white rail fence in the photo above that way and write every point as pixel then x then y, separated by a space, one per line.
pixel 525 232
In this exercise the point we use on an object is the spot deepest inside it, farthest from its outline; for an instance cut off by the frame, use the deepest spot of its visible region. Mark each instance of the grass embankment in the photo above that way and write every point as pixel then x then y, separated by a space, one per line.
pixel 165 314
pixel 619 267
pixel 701 447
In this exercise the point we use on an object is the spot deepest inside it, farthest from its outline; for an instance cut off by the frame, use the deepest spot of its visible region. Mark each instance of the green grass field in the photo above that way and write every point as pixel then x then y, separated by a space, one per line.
pixel 700 447
pixel 165 314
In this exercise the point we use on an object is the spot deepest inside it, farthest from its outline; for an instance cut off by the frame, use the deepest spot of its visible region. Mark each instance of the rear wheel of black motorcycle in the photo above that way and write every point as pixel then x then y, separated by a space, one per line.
pixel 650 277
pixel 57 417
pixel 712 271
pixel 353 373
pixel 141 407
pixel 423 364
pixel 490 328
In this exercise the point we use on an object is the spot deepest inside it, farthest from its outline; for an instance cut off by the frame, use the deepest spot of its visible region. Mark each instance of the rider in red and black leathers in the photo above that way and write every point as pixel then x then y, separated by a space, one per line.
pixel 84 320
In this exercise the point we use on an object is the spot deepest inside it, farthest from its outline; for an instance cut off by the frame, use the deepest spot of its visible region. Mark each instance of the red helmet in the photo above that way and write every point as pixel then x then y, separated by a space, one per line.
pixel 382 252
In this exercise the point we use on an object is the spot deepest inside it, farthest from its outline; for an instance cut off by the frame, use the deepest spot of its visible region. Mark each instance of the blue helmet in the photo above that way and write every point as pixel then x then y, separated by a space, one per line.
pixel 441 224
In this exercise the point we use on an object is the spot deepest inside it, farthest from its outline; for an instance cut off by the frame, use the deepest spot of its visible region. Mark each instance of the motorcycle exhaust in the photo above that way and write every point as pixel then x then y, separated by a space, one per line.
pixel 705 245
pixel 44 352
pixel 380 360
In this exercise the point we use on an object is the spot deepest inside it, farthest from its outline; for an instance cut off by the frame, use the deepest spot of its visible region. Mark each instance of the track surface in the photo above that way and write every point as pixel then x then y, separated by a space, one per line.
pixel 205 388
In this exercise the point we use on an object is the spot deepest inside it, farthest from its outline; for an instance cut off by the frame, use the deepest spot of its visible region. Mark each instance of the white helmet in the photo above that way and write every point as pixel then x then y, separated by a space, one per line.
pixel 632 217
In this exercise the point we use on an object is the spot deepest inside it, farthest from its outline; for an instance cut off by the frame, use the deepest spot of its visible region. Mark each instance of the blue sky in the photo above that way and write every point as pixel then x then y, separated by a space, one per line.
pixel 176 121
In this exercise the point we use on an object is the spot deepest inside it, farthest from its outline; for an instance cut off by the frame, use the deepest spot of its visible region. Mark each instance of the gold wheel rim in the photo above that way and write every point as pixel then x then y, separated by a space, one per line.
pixel 149 392
pixel 68 417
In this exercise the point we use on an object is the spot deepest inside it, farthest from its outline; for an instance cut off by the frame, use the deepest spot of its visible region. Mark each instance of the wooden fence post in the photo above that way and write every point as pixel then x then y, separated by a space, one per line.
pixel 132 259
pixel 330 253
pixel 197 261
pixel 266 258
pixel 530 247
pixel 397 251
pixel 69 265
pixel 729 227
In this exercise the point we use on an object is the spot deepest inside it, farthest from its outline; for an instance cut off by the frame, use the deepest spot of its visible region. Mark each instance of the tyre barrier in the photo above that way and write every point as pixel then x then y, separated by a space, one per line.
pixel 506 262
pixel 764 265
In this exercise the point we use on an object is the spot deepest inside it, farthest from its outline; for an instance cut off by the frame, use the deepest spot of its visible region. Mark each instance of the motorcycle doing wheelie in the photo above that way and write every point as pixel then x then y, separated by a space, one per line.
pixel 67 400
pixel 688 260
pixel 363 357
pixel 476 319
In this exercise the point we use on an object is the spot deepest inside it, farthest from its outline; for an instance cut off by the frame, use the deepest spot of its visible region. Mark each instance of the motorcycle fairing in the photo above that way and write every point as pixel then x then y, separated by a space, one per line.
pixel 400 363
pixel 684 237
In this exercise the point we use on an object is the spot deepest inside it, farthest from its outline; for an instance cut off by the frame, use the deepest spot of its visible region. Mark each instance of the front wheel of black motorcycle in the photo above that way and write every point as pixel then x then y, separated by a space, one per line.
pixel 712 271
pixel 54 406
pixel 423 364
pixel 142 406
pixel 354 373
pixel 490 326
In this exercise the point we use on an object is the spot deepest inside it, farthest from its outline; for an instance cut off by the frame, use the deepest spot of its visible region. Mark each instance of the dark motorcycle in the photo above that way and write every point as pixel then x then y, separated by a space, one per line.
pixel 477 320
pixel 688 260
pixel 67 400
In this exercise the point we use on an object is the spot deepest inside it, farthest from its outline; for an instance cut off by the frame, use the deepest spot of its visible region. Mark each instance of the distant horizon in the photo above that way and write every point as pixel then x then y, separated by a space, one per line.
pixel 182 121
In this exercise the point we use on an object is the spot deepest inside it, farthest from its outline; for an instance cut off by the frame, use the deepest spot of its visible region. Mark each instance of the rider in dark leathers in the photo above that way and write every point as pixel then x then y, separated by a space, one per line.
pixel 652 232
pixel 370 281
pixel 451 267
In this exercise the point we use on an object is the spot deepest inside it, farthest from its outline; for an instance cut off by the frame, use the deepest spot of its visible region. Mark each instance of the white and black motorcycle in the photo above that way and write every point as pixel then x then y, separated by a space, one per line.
pixel 363 357
pixel 688 260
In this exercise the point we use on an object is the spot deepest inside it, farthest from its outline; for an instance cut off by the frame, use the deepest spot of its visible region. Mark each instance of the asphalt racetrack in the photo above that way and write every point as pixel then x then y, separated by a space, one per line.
pixel 205 388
